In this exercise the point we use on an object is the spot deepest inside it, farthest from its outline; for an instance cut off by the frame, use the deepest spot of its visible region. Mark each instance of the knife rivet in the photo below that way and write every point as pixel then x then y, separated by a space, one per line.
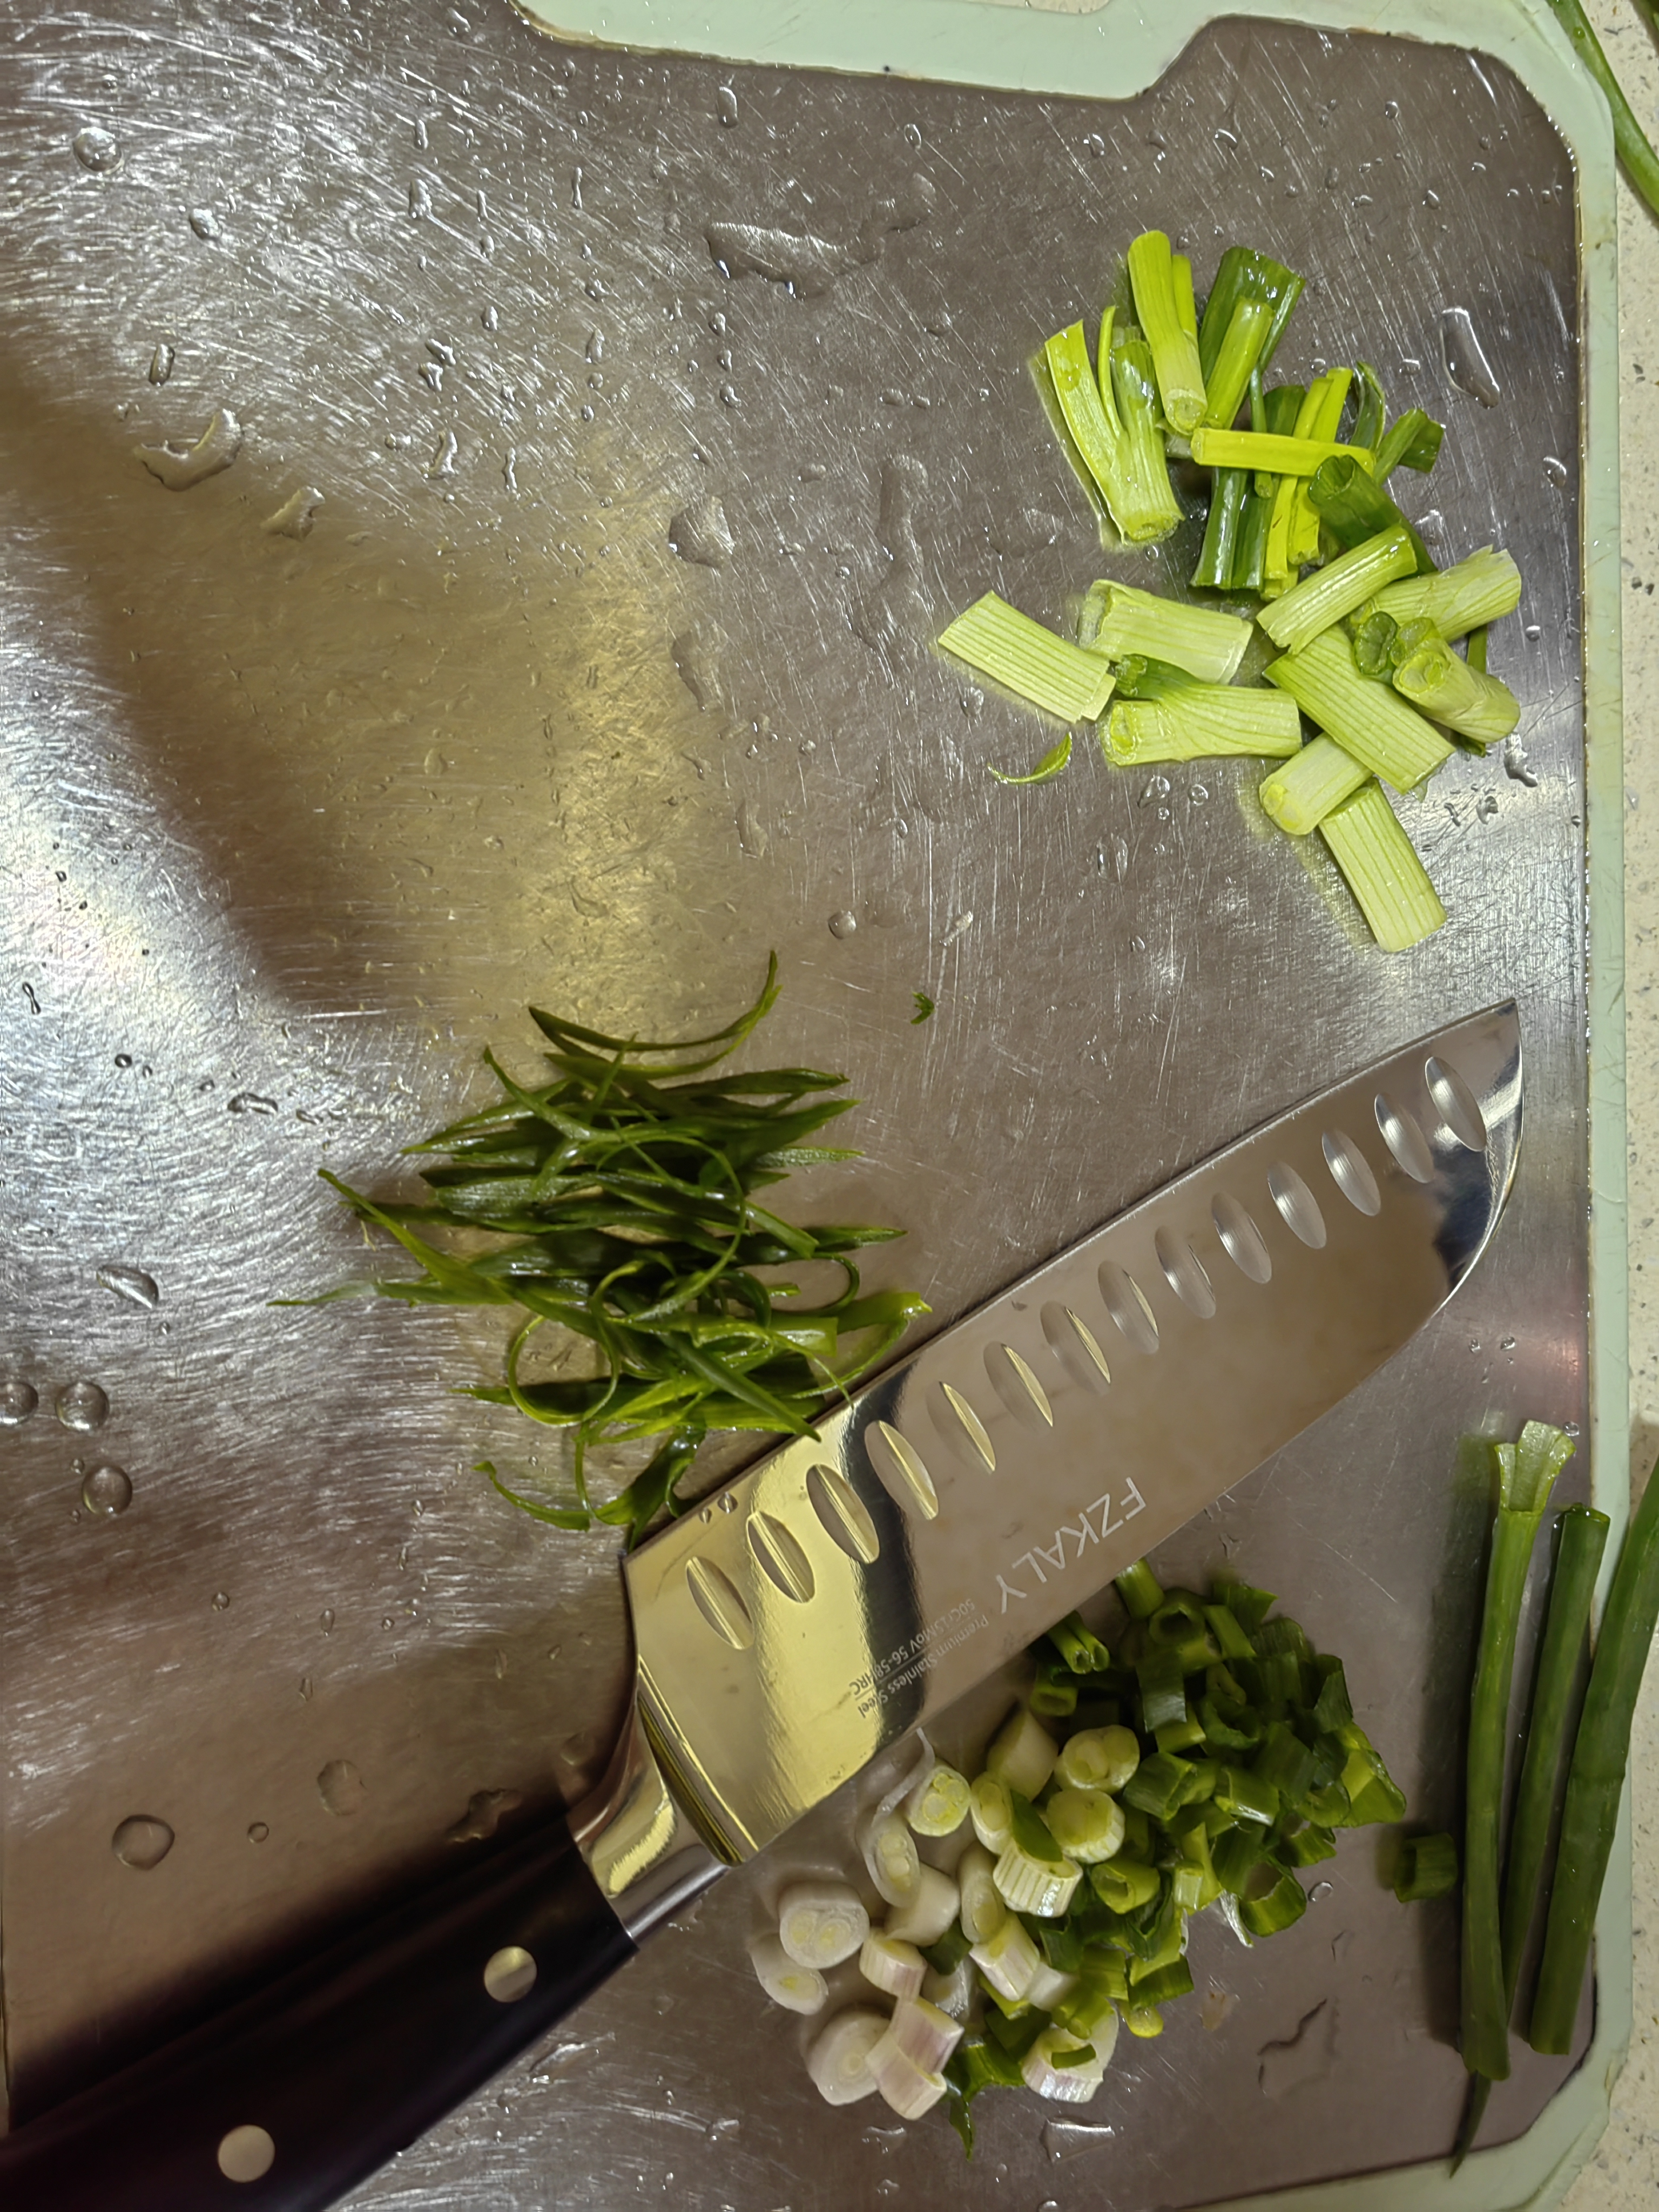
pixel 247 2154
pixel 509 1974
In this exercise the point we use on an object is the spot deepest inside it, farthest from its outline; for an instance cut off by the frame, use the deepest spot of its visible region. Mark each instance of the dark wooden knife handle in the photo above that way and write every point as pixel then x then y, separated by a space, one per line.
pixel 332 2070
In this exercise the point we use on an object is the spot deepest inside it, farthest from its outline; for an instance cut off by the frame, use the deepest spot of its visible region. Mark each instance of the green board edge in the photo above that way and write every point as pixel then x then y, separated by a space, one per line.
pixel 1114 52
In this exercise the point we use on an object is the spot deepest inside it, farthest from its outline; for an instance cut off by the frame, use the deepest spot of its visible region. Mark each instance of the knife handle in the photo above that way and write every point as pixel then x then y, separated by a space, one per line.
pixel 301 2090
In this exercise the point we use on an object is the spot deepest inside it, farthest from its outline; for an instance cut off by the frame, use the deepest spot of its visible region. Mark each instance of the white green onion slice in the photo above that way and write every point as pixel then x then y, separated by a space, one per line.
pixel 1021 1755
pixel 982 1910
pixel 937 1804
pixel 1098 1758
pixel 925 2032
pixel 1042 1886
pixel 991 1810
pixel 1008 1959
pixel 953 1993
pixel 1063 2067
pixel 1383 871
pixel 1299 795
pixel 997 641
pixel 890 1856
pixel 1049 1987
pixel 821 1923
pixel 910 2089
pixel 839 2061
pixel 1337 588
pixel 1118 620
pixel 1086 1824
pixel 787 1982
pixel 897 1968
pixel 926 1914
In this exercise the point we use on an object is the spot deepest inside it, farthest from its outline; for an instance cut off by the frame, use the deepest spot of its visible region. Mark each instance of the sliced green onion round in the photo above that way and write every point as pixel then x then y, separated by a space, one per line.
pixel 1062 2066
pixel 839 2061
pixel 928 1912
pixel 1086 1824
pixel 1098 1758
pixel 1022 1754
pixel 795 1987
pixel 821 1923
pixel 897 1968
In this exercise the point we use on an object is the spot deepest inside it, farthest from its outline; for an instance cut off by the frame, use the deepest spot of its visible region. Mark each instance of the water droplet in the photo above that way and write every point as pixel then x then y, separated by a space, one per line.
pixel 82 1406
pixel 1431 527
pixel 1485 806
pixel 1198 793
pixel 420 199
pixel 179 468
pixel 729 394
pixel 107 1490
pixel 326 1620
pixel 132 1283
pixel 1555 470
pixel 843 923
pixel 141 1842
pixel 258 1830
pixel 1320 1889
pixel 294 517
pixel 33 998
pixel 205 223
pixel 485 1810
pixel 1506 1343
pixel 700 532
pixel 387 1621
pixel 725 106
pixel 752 832
pixel 17 1402
pixel 340 1788
pixel 958 928
pixel 250 1102
pixel 587 412
pixel 97 150
pixel 1466 362
pixel 1156 789
pixel 222 1601
pixel 1071 2138
pixel 160 364
pixel 887 2186
pixel 442 463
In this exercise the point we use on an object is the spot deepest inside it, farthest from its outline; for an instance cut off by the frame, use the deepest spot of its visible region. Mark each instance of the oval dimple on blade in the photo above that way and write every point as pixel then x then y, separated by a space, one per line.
pixel 1184 1271
pixel 1351 1171
pixel 1404 1139
pixel 1126 1304
pixel 1018 1387
pixel 1297 1205
pixel 842 1514
pixel 780 1557
pixel 1075 1346
pixel 1457 1105
pixel 1241 1240
pixel 961 1428
pixel 716 1596
pixel 902 1470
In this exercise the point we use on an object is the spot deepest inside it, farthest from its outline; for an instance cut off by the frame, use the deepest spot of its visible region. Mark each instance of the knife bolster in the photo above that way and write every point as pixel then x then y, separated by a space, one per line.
pixel 641 1847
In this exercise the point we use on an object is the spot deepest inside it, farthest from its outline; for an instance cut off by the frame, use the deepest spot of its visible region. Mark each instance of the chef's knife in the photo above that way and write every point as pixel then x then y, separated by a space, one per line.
pixel 840 1593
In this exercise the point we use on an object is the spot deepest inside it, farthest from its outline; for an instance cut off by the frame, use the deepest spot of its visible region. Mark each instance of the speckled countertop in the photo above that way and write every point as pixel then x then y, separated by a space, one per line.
pixel 1624 2171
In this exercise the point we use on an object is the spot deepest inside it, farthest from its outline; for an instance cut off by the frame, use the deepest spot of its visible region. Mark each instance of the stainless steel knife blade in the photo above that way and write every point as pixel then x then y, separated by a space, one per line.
pixel 843 1590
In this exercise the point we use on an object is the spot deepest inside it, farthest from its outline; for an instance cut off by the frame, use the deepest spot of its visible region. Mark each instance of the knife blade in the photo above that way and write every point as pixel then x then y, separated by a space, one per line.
pixel 840 1592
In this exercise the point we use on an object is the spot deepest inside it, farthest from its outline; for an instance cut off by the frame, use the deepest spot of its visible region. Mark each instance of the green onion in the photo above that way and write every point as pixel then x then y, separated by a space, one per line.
pixel 1641 164
pixel 1163 1691
pixel 1280 1906
pixel 1086 1824
pixel 1427 1868
pixel 1139 1589
pixel 1078 1646
pixel 1475 650
pixel 1227 383
pixel 1526 1473
pixel 1411 441
pixel 1282 457
pixel 1203 721
pixel 1380 868
pixel 1164 314
pixel 1119 622
pixel 991 1809
pixel 1109 414
pixel 1595 1780
pixel 1124 1884
pixel 1479 589
pixel 1021 1755
pixel 997 641
pixel 1224 548
pixel 1337 589
pixel 1244 1796
pixel 1478 706
pixel 1581 1537
pixel 1299 795
pixel 1098 1758
pixel 1046 769
pixel 1353 507
pixel 1156 1785
pixel 1243 274
pixel 1366 720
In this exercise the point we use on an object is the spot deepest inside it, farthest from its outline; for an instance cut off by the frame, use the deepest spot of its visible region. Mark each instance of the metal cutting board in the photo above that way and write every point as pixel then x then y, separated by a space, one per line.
pixel 559 630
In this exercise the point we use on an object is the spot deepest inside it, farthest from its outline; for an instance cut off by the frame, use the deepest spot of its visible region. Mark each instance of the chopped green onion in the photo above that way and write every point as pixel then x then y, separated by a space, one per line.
pixel 1109 417
pixel 821 1923
pixel 1281 1906
pixel 1041 1886
pixel 839 2062
pixel 795 1987
pixel 1380 868
pixel 891 1965
pixel 1477 707
pixel 1086 1824
pixel 910 2089
pixel 1140 1591
pixel 1229 1632
pixel 1156 1785
pixel 1046 769
pixel 1353 506
pixel 1123 1884
pixel 1144 2021
pixel 1053 1693
pixel 1180 271
pixel 1163 1690
pixel 1366 720
pixel 1309 1844
pixel 990 1807
pixel 995 639
pixel 1061 2066
pixel 1526 1474
pixel 1204 722
pixel 1021 1755
pixel 1427 1868
pixel 1246 1798
pixel 924 2032
pixel 1411 441
pixel 1581 1537
pixel 1223 549
pixel 1078 1646
pixel 1482 588
pixel 927 1912
pixel 1299 795
pixel 1007 1958
pixel 1595 1780
pixel 1277 456
pixel 1098 1758
pixel 983 1909
pixel 1162 313
pixel 938 1803
pixel 1226 384
pixel 1160 1985
pixel 1337 589
pixel 1118 621
pixel 1475 650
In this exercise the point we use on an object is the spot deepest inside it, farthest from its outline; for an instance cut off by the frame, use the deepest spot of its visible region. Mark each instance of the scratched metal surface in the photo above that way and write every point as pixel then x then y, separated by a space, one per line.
pixel 318 768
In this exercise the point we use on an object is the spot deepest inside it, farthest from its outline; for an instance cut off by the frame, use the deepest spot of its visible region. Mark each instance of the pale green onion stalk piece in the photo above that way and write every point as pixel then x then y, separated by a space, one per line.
pixel 1472 593
pixel 1008 1959
pixel 1144 2021
pixel 1383 871
pixel 795 1987
pixel 925 2032
pixel 982 1908
pixel 910 2089
pixel 1050 1989
pixel 1113 425
pixel 892 1965
pixel 1042 1887
pixel 927 1912
pixel 1299 795
pixel 1336 590
pixel 1159 310
pixel 1479 707
pixel 1204 722
pixel 1366 718
pixel 1063 2067
pixel 1118 621
pixel 1181 274
pixel 938 1803
pixel 821 1923
pixel 1046 769
pixel 991 1811
pixel 890 1856
pixel 1086 1824
pixel 839 2062
pixel 1099 1758
pixel 997 641
pixel 1241 348
pixel 1021 1755
pixel 1272 455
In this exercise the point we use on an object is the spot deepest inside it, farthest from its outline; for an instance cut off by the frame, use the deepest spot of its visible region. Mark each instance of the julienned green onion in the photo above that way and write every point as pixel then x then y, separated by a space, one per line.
pixel 1118 621
pixel 1334 591
pixel 1427 1868
pixel 1580 1535
pixel 997 641
pixel 1299 795
pixel 1595 1780
pixel 1474 591
pixel 1110 414
pixel 1366 718
pixel 619 1201
pixel 1380 865
pixel 1478 706
pixel 1526 1474
pixel 1203 722
pixel 1281 457
pixel 1166 318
